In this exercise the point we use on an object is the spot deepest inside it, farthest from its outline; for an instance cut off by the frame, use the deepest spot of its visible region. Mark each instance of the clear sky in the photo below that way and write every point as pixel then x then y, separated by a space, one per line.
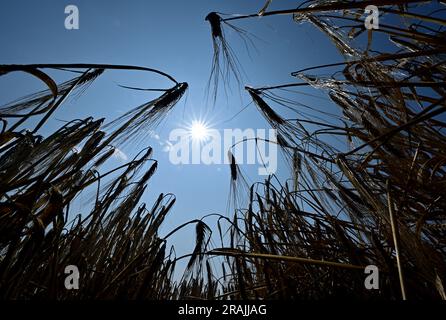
pixel 172 36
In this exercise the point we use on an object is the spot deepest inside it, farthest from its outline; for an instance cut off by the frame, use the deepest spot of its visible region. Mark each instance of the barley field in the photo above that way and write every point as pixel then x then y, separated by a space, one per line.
pixel 376 197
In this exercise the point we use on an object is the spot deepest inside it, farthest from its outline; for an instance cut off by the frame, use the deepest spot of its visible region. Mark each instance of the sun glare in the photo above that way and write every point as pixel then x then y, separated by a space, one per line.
pixel 199 131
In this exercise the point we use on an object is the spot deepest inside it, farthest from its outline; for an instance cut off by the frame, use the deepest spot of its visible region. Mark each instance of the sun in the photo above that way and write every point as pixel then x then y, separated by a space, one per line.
pixel 199 131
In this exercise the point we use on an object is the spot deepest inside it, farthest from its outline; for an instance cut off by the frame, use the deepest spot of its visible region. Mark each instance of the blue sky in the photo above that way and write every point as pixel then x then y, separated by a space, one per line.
pixel 171 36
